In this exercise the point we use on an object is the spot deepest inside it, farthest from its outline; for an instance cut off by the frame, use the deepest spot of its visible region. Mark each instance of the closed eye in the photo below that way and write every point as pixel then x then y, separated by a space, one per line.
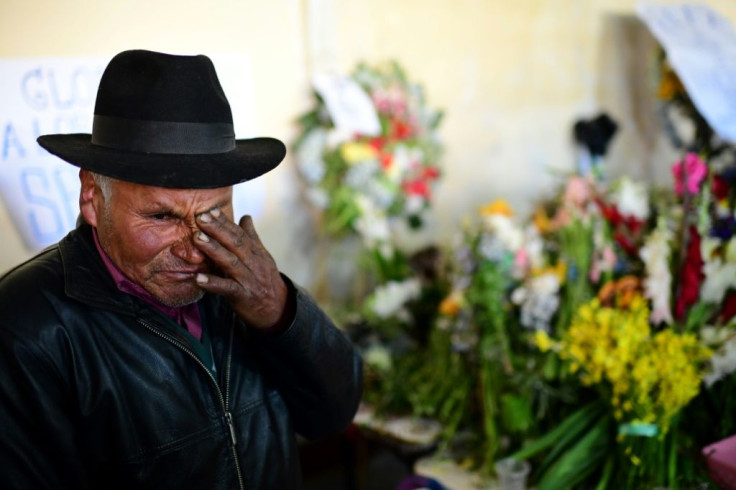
pixel 162 216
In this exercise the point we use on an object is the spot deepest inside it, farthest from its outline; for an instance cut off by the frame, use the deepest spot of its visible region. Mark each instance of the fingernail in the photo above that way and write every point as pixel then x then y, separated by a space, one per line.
pixel 202 279
pixel 205 217
pixel 215 212
pixel 203 237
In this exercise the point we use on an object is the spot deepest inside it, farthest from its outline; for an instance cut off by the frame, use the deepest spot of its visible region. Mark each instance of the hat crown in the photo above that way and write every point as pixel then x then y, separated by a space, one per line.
pixel 151 86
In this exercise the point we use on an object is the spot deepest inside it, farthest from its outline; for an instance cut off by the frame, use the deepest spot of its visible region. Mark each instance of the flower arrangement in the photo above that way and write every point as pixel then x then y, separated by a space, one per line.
pixel 360 182
pixel 608 311
pixel 596 338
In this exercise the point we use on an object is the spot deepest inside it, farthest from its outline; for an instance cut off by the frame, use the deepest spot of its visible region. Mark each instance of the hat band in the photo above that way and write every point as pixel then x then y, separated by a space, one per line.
pixel 165 137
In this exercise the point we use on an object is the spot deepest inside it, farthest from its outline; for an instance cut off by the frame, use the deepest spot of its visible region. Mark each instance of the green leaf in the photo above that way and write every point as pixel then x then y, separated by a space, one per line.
pixel 570 427
pixel 577 463
pixel 516 413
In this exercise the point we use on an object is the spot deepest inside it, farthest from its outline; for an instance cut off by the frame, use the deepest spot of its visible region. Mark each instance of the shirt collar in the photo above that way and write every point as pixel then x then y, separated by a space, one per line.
pixel 187 315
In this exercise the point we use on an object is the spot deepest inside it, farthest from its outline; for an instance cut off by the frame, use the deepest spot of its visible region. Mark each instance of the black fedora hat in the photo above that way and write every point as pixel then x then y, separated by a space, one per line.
pixel 163 120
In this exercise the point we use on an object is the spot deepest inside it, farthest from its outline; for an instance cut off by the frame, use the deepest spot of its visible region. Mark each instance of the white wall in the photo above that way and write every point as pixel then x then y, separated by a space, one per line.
pixel 511 76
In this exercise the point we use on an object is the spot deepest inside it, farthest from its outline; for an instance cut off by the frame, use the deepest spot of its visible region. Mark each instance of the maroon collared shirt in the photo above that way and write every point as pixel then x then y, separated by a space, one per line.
pixel 187 316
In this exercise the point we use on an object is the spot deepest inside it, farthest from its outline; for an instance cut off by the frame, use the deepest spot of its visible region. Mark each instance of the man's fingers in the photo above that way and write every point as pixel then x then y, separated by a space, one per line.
pixel 220 227
pixel 229 262
pixel 218 285
pixel 246 224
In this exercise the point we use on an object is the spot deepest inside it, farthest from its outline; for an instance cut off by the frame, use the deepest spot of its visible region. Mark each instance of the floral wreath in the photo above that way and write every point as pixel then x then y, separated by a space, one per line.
pixel 360 183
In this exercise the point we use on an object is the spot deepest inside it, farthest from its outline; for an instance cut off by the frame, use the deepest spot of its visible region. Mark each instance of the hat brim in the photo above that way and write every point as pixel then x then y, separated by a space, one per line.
pixel 251 158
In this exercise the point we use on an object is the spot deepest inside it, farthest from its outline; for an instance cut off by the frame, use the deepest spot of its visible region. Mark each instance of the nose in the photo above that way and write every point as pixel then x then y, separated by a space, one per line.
pixel 185 250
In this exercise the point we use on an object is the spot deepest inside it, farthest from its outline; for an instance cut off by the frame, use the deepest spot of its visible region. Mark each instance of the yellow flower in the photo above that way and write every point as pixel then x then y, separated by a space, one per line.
pixel 670 86
pixel 649 377
pixel 542 340
pixel 499 206
pixel 353 152
pixel 542 221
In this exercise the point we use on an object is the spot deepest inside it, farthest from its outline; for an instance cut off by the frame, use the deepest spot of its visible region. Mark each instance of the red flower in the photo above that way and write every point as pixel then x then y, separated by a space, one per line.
pixel 387 159
pixel 417 187
pixel 401 130
pixel 729 307
pixel 720 187
pixel 430 173
pixel 377 143
pixel 626 229
pixel 691 275
pixel 609 211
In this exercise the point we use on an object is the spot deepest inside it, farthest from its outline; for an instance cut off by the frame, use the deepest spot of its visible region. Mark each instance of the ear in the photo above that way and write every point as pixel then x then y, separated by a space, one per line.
pixel 91 199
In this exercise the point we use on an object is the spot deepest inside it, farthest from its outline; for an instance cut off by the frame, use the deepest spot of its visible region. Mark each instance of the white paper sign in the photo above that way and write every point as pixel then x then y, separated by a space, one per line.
pixel 701 47
pixel 350 108
pixel 57 95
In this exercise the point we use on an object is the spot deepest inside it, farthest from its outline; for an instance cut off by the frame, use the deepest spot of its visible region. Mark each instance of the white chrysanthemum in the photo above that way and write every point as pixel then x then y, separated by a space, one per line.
pixel 658 282
pixel 389 299
pixel 632 199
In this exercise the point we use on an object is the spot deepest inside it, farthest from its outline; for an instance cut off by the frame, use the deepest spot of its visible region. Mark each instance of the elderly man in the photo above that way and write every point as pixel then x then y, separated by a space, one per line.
pixel 157 345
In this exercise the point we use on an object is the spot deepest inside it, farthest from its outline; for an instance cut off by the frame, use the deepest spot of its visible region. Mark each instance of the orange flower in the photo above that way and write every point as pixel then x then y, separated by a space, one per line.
pixel 451 305
pixel 620 293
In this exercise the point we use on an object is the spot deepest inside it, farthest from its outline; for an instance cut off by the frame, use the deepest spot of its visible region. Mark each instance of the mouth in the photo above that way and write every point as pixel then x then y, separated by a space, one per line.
pixel 181 275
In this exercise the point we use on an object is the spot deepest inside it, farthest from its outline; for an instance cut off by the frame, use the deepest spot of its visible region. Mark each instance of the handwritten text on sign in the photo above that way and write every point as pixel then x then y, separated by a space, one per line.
pixel 38 97
pixel 57 95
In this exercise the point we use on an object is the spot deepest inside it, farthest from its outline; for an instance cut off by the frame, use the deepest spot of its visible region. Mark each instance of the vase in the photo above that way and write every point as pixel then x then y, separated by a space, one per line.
pixel 512 473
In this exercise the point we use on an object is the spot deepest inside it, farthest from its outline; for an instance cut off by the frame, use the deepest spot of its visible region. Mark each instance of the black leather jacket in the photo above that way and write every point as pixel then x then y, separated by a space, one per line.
pixel 98 390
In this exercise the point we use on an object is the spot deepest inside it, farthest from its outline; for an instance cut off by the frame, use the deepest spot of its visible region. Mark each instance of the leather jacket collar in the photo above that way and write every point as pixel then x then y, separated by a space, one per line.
pixel 85 276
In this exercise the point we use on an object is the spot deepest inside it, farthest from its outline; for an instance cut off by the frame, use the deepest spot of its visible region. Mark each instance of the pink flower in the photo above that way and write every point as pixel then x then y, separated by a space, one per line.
pixel 578 192
pixel 695 171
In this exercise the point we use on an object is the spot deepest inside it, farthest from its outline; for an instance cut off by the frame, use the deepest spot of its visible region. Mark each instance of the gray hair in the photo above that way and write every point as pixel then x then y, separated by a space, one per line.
pixel 105 184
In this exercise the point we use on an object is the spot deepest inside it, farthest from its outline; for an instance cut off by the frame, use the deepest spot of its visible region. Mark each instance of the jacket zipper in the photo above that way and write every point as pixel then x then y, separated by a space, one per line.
pixel 224 400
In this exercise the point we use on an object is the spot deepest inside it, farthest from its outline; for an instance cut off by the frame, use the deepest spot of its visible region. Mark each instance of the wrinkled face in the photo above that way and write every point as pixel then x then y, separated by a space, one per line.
pixel 148 233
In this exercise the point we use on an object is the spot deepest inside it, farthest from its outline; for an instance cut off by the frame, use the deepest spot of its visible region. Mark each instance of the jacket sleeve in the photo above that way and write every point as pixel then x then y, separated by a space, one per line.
pixel 316 367
pixel 38 438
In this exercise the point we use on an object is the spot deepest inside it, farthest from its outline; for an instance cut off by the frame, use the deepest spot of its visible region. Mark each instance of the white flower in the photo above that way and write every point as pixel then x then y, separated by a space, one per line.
pixel 318 197
pixel 539 301
pixel 414 204
pixel 389 299
pixel 378 357
pixel 361 174
pixel 336 136
pixel 720 275
pixel 658 282
pixel 309 157
pixel 506 230
pixel 723 362
pixel 719 278
pixel 381 193
pixel 731 251
pixel 372 224
pixel 632 199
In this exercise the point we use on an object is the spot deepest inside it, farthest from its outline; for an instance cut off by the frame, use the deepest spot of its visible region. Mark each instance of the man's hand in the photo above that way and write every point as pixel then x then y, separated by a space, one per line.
pixel 251 281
